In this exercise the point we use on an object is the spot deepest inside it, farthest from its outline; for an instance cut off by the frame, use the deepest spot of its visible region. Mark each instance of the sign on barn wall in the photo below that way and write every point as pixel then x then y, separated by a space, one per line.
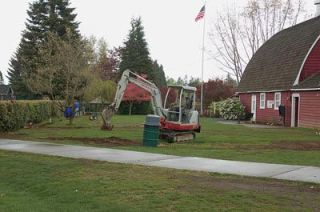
pixel 270 103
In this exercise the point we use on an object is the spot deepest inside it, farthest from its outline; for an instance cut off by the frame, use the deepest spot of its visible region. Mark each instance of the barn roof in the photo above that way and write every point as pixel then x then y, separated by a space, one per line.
pixel 311 82
pixel 276 65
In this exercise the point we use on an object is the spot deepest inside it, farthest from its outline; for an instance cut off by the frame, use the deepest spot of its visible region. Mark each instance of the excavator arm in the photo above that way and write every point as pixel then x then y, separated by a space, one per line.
pixel 131 77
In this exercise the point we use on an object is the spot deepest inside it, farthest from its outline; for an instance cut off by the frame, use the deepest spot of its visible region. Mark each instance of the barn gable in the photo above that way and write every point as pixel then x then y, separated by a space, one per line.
pixel 283 59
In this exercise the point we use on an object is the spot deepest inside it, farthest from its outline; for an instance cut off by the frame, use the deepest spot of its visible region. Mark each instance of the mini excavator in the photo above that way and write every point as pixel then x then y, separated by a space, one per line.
pixel 179 121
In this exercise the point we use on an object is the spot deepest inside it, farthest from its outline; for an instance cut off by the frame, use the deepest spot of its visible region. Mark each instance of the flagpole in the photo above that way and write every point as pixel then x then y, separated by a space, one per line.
pixel 202 62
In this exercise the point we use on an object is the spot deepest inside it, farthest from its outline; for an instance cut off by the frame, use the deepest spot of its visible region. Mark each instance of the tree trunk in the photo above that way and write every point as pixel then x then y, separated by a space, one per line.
pixel 130 108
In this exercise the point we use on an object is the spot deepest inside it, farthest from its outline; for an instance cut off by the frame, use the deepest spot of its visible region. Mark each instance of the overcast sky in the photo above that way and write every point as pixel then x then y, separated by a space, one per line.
pixel 174 38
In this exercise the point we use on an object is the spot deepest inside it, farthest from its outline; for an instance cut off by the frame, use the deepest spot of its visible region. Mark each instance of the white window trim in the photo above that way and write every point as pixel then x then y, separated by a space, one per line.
pixel 275 100
pixel 293 110
pixel 264 101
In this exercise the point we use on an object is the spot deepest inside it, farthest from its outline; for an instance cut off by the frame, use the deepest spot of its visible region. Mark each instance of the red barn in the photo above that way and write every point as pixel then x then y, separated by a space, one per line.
pixel 285 71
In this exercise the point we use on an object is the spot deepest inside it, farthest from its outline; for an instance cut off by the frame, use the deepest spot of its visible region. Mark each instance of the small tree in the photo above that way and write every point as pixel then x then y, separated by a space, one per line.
pixel 134 94
pixel 61 70
pixel 98 88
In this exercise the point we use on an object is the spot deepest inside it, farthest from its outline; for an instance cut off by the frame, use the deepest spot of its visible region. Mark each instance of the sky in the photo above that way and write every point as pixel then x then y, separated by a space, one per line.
pixel 174 38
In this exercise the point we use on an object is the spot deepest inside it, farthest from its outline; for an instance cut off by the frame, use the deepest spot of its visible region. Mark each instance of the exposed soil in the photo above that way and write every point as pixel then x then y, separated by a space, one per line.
pixel 309 193
pixel 285 145
pixel 109 142
pixel 251 184
pixel 304 146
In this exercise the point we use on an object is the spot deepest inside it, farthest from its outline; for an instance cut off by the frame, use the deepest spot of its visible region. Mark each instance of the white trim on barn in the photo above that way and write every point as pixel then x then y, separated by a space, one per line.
pixel 296 82
pixel 254 107
pixel 306 89
pixel 293 109
pixel 262 100
pixel 276 106
pixel 262 91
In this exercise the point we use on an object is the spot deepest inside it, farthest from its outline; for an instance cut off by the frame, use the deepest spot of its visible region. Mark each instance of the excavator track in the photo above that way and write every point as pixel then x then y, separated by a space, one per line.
pixel 173 136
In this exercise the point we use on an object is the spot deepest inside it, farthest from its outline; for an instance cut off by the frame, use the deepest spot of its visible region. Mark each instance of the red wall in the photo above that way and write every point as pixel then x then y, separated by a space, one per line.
pixel 269 115
pixel 309 109
pixel 312 63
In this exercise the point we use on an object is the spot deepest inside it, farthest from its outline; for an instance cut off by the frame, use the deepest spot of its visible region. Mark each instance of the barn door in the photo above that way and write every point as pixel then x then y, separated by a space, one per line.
pixel 295 110
pixel 254 107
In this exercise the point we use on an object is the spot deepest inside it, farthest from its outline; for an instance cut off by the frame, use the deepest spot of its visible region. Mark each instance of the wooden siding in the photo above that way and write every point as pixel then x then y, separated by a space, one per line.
pixel 309 109
pixel 268 115
pixel 312 63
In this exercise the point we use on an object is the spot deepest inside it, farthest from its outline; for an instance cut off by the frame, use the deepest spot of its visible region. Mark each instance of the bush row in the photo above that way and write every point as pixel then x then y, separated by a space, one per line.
pixel 15 115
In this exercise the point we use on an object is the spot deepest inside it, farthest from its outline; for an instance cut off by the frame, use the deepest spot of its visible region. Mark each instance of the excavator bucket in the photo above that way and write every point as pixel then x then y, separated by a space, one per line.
pixel 107 114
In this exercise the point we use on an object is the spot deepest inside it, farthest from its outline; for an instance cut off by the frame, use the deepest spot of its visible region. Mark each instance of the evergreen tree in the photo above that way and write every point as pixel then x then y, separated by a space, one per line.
pixel 194 82
pixel 16 81
pixel 135 53
pixel 43 16
pixel 180 81
pixel 1 79
pixel 158 75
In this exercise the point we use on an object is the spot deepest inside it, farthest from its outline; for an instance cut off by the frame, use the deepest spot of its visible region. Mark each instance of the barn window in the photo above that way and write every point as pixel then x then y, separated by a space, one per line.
pixel 262 100
pixel 277 100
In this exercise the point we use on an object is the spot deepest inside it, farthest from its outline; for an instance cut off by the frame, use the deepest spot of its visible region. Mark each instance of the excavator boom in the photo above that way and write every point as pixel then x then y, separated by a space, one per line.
pixel 128 76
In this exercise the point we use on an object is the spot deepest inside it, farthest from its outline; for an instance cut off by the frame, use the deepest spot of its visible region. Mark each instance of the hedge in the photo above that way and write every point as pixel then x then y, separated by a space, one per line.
pixel 138 108
pixel 14 115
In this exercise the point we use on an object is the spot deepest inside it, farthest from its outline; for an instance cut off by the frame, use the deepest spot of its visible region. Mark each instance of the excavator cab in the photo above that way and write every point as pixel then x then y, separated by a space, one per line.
pixel 180 104
pixel 182 119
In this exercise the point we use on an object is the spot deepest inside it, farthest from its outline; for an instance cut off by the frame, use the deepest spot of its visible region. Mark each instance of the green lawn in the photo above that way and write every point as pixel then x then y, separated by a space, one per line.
pixel 232 142
pixel 42 183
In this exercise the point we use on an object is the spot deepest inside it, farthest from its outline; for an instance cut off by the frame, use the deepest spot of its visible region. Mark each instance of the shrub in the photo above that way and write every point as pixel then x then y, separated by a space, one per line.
pixel 231 109
pixel 214 110
pixel 14 115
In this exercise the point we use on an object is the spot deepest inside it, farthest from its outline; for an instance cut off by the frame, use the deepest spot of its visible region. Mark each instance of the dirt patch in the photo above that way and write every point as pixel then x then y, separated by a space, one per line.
pixel 285 145
pixel 63 127
pixel 131 126
pixel 225 184
pixel 299 194
pixel 109 142
pixel 303 146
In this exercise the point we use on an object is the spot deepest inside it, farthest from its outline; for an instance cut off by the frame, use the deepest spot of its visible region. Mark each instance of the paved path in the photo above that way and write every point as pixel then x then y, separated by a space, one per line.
pixel 277 171
pixel 261 126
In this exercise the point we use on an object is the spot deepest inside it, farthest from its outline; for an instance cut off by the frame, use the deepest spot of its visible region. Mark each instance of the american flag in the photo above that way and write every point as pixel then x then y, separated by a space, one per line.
pixel 201 13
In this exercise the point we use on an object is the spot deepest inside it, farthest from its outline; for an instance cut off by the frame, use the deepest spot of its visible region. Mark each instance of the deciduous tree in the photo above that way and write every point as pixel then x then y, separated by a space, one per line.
pixel 98 88
pixel 237 36
pixel 215 90
pixel 60 75
pixel 43 16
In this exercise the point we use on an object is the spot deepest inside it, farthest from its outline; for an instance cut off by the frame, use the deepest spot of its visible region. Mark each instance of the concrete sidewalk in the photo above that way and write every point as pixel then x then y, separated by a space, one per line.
pixel 276 171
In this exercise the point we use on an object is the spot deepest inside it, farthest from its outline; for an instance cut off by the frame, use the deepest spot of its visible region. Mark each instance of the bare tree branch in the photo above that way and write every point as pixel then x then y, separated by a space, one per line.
pixel 237 36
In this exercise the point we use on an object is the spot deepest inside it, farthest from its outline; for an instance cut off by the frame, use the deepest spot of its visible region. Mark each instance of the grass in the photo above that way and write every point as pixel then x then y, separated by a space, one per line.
pixel 42 183
pixel 231 142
